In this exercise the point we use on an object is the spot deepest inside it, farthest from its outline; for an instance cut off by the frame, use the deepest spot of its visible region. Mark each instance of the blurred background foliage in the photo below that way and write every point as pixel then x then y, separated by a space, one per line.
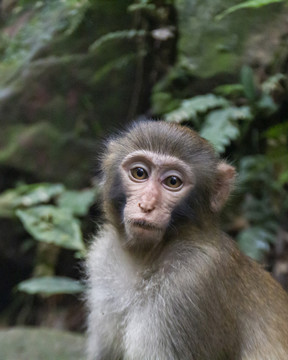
pixel 72 71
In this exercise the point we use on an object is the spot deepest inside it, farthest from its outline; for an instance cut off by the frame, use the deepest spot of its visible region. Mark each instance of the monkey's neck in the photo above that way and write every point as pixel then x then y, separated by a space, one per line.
pixel 188 235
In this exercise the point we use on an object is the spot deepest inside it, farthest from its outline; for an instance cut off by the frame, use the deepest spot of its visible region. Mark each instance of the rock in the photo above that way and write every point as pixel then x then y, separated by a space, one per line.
pixel 24 343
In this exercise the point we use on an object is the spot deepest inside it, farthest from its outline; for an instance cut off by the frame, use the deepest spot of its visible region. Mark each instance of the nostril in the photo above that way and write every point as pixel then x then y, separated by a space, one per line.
pixel 146 207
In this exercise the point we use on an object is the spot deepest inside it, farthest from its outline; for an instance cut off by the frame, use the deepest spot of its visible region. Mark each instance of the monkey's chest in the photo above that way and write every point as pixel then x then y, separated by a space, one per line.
pixel 114 289
pixel 124 303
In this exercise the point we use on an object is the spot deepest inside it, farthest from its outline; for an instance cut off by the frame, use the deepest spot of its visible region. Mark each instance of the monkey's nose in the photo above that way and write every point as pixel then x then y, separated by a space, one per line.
pixel 146 207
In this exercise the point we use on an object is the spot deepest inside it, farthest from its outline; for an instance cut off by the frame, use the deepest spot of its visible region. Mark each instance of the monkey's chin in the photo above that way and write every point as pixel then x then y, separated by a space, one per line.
pixel 142 234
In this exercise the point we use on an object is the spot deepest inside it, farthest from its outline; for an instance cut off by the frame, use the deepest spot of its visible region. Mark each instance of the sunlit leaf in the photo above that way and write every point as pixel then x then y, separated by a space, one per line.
pixel 51 285
pixel 78 202
pixel 141 6
pixel 221 126
pixel 274 83
pixel 52 225
pixel 28 195
pixel 190 108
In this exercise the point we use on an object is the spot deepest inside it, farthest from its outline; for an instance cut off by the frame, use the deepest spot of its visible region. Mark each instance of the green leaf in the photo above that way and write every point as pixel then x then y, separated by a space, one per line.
pixel 274 83
pixel 247 80
pixel 255 169
pixel 190 108
pixel 117 35
pixel 283 178
pixel 254 242
pixel 51 285
pixel 116 64
pixel 143 6
pixel 163 102
pixel 221 128
pixel 52 225
pixel 46 20
pixel 247 5
pixel 276 131
pixel 267 105
pixel 27 195
pixel 77 202
pixel 234 90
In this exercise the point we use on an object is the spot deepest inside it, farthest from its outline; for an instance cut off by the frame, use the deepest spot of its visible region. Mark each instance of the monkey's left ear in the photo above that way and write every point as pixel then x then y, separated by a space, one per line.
pixel 224 184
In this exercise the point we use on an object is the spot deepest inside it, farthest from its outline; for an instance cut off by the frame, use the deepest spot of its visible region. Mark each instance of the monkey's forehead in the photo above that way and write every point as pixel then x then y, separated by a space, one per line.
pixel 164 138
pixel 163 161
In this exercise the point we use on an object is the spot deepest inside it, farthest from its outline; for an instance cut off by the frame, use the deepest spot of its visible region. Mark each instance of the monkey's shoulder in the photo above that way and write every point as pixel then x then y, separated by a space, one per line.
pixel 219 263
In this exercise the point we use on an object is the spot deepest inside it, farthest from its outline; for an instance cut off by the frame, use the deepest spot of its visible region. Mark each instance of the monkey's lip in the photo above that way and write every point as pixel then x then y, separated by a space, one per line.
pixel 144 224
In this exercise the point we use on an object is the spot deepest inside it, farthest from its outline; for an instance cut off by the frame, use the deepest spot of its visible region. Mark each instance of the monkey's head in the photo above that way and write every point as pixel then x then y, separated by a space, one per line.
pixel 158 176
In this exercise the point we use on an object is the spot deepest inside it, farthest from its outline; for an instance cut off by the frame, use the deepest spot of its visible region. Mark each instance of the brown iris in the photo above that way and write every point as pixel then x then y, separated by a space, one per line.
pixel 173 182
pixel 139 173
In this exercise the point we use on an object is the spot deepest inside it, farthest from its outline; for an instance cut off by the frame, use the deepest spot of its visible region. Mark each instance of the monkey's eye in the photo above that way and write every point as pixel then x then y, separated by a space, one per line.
pixel 173 182
pixel 139 173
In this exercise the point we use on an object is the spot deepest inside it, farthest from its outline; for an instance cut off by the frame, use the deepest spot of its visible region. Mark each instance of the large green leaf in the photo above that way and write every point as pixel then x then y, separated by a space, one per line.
pixel 52 225
pixel 27 195
pixel 221 126
pixel 51 285
pixel 78 202
pixel 190 108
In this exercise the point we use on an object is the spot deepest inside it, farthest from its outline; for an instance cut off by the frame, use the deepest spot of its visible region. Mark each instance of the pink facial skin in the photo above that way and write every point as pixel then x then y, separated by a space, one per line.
pixel 154 185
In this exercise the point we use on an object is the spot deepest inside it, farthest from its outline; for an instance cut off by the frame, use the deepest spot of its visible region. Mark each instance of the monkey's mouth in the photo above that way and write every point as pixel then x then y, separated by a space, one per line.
pixel 143 224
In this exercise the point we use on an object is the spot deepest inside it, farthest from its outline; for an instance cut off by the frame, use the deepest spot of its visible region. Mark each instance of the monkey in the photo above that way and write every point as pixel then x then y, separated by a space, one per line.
pixel 164 281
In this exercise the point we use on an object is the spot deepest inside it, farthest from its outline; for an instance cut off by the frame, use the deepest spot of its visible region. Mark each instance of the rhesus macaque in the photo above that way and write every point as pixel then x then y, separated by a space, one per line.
pixel 164 282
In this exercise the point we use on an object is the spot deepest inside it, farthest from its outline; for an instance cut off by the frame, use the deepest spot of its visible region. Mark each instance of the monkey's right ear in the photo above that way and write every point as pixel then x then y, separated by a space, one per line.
pixel 224 184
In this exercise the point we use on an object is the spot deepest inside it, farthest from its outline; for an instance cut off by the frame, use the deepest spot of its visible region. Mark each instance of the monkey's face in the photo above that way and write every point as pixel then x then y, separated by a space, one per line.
pixel 154 184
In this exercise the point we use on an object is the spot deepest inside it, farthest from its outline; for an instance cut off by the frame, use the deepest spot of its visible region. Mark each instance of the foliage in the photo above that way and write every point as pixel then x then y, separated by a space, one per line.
pixel 225 118
pixel 220 117
pixel 50 286
pixel 224 122
pixel 277 138
pixel 49 17
pixel 49 214
pixel 117 35
pixel 57 58
pixel 48 224
pixel 264 202
pixel 248 5
pixel 27 195
pixel 190 108
pixel 217 118
pixel 142 5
